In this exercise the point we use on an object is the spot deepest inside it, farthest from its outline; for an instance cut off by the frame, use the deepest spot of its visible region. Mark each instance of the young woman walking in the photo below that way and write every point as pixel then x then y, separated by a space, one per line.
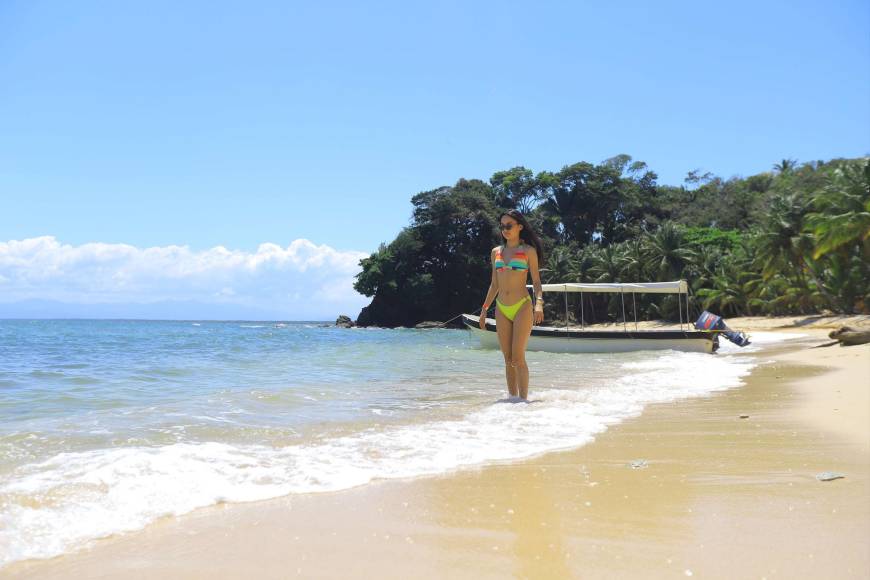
pixel 515 311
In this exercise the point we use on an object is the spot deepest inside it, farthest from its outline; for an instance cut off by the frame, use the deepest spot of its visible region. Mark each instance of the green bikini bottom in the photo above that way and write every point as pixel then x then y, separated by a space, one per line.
pixel 510 312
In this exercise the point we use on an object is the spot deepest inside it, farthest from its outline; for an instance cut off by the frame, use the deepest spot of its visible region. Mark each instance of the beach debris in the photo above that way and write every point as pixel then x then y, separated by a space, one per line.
pixel 848 336
pixel 830 475
pixel 638 464
pixel 744 416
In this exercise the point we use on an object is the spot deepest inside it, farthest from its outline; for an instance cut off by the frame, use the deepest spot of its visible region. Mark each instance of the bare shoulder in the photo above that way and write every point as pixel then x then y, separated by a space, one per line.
pixel 530 249
pixel 494 250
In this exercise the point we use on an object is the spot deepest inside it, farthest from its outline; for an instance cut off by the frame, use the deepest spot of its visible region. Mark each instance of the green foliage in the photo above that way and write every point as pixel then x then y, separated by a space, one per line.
pixel 515 188
pixel 791 241
pixel 841 219
pixel 430 267
pixel 725 240
pixel 604 203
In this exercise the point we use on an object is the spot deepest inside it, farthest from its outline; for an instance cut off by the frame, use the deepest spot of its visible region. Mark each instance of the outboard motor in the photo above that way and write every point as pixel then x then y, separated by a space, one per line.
pixel 710 321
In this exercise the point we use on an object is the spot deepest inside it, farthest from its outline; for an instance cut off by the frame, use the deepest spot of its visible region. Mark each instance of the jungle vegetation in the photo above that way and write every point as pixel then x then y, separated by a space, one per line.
pixel 793 240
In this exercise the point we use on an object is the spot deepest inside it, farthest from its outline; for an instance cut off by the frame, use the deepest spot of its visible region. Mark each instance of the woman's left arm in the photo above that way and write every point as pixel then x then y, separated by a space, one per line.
pixel 536 285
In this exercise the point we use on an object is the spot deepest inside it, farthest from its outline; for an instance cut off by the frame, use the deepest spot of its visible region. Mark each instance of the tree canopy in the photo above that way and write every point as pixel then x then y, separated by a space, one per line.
pixel 792 240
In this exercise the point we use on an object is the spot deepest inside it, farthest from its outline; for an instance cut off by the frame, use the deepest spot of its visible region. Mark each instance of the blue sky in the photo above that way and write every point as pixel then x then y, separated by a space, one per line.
pixel 205 124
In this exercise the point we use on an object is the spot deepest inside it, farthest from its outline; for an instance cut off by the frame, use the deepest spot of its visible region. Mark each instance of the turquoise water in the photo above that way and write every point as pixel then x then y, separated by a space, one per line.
pixel 107 425
pixel 81 384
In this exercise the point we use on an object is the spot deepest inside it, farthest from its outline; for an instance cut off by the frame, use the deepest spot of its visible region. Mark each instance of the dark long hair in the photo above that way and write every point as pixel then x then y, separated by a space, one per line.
pixel 527 234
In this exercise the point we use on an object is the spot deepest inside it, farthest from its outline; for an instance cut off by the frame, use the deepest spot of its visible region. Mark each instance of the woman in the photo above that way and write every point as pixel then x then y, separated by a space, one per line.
pixel 515 312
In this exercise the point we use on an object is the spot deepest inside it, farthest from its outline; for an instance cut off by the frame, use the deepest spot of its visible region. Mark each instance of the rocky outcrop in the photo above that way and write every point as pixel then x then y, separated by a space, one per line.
pixel 429 324
pixel 344 321
pixel 384 312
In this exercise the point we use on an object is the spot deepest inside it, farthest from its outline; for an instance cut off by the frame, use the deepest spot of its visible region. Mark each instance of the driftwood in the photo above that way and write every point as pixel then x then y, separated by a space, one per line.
pixel 847 336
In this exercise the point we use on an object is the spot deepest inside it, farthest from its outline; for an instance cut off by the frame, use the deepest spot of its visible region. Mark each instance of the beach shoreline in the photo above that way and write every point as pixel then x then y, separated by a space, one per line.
pixel 748 324
pixel 709 492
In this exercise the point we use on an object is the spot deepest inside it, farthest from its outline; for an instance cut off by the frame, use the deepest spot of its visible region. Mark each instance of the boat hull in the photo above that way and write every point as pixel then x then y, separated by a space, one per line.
pixel 559 340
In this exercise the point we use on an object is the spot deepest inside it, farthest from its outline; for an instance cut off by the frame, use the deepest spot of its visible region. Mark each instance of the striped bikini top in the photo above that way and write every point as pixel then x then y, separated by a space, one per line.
pixel 519 261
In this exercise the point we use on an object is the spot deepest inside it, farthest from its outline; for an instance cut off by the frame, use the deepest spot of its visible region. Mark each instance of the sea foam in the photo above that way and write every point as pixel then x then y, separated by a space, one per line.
pixel 54 506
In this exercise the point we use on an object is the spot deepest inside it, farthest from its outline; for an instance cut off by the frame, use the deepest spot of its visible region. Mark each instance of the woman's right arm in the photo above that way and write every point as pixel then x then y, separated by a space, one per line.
pixel 491 293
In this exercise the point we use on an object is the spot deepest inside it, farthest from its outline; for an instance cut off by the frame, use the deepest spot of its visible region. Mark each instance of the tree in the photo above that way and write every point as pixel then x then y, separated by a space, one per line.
pixel 439 265
pixel 842 211
pixel 604 203
pixel 515 188
pixel 667 252
pixel 792 240
pixel 785 166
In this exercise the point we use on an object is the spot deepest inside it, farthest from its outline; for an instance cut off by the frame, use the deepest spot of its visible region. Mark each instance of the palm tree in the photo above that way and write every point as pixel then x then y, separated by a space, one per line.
pixel 559 265
pixel 633 260
pixel 581 264
pixel 785 248
pixel 704 266
pixel 782 243
pixel 734 286
pixel 842 216
pixel 741 262
pixel 667 252
pixel 726 297
pixel 785 166
pixel 606 265
pixel 846 278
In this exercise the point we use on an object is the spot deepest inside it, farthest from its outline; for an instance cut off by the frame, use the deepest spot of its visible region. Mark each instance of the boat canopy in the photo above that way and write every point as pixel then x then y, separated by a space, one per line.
pixel 676 287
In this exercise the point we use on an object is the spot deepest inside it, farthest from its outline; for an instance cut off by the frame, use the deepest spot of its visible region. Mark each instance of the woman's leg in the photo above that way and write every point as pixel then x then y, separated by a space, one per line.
pixel 503 328
pixel 522 329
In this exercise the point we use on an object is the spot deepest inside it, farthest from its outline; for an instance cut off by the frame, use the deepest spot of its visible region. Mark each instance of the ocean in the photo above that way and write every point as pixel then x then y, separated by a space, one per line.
pixel 106 426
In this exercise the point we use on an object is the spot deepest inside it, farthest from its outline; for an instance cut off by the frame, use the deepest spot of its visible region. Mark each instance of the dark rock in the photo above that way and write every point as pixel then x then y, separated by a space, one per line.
pixel 383 312
pixel 344 321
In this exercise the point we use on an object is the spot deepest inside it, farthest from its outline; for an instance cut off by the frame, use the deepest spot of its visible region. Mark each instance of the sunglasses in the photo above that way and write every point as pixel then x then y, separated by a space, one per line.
pixel 506 227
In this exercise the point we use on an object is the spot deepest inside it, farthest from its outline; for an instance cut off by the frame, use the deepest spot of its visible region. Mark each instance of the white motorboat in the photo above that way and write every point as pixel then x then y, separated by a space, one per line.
pixel 565 339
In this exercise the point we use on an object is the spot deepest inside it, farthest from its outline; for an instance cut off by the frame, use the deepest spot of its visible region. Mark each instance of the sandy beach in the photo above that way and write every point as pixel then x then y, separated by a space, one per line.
pixel 714 495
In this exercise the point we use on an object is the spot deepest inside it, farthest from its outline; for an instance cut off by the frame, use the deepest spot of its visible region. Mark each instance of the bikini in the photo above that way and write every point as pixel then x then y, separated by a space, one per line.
pixel 519 261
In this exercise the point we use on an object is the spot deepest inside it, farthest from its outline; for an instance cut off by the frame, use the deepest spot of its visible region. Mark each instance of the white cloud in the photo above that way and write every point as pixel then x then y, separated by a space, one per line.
pixel 302 281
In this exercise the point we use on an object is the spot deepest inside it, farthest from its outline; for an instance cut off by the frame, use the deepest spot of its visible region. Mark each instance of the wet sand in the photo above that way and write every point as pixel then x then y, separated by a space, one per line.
pixel 720 497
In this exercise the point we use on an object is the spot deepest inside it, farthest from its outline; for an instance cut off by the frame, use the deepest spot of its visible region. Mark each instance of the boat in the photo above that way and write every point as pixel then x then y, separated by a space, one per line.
pixel 572 340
